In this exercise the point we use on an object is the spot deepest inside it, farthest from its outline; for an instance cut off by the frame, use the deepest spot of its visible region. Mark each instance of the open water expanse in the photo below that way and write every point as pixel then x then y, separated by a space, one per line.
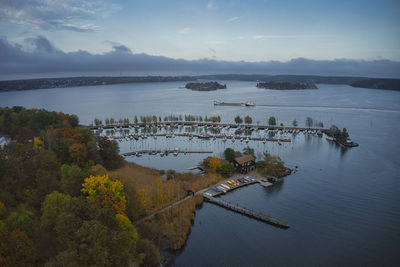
pixel 343 205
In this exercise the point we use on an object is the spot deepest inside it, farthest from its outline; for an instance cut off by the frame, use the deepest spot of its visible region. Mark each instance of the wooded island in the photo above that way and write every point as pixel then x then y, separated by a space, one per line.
pixel 207 86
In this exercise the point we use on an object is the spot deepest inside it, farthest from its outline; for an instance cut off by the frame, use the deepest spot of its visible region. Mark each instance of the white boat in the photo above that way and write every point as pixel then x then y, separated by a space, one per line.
pixel 249 104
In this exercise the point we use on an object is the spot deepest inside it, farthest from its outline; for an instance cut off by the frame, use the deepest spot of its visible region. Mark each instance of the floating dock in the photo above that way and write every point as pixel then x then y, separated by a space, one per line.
pixel 247 212
pixel 166 152
pixel 203 124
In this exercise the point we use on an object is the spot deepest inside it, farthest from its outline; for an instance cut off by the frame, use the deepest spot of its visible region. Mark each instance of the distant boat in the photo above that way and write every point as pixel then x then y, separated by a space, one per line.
pixel 249 104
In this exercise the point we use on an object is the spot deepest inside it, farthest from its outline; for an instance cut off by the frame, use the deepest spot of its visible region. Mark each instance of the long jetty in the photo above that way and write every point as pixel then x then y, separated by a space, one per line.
pixel 247 212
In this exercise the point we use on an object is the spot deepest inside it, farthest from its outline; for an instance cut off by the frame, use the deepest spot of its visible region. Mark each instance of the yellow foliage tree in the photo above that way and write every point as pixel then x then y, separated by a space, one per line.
pixel 144 197
pixel 214 163
pixel 103 192
pixel 37 142
pixel 126 225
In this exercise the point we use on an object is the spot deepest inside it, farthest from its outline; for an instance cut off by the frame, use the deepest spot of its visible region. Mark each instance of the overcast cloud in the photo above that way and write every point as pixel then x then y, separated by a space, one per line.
pixel 44 57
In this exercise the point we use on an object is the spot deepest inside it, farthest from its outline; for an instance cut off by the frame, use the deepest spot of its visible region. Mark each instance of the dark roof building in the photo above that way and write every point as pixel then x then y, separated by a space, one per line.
pixel 245 163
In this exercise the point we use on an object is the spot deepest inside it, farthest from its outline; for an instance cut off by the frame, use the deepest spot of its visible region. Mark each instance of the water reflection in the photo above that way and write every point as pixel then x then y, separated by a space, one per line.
pixel 275 188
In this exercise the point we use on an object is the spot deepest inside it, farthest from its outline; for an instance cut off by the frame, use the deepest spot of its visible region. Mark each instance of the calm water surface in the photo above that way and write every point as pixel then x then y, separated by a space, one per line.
pixel 342 204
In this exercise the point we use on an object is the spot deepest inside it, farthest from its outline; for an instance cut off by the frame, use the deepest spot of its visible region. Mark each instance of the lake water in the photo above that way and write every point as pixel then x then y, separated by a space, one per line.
pixel 343 205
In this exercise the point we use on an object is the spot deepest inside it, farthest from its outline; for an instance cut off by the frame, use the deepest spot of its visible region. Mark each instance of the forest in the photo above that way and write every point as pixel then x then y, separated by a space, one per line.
pixel 68 198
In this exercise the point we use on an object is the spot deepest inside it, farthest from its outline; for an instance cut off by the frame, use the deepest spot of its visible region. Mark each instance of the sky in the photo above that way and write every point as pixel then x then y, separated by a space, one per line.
pixel 361 33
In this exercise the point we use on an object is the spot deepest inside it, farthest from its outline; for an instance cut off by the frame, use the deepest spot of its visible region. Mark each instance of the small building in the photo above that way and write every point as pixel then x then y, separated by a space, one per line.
pixel 245 164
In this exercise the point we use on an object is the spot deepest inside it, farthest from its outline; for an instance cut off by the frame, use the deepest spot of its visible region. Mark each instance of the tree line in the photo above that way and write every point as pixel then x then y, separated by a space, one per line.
pixel 309 122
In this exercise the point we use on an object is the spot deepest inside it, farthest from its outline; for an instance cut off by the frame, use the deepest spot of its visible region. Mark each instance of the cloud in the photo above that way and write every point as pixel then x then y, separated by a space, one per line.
pixel 122 49
pixel 185 30
pixel 41 44
pixel 232 19
pixel 51 15
pixel 262 37
pixel 44 57
pixel 81 28
pixel 211 5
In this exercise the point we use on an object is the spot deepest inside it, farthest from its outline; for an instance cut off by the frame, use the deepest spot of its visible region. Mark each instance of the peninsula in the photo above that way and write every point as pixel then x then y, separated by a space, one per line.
pixel 279 85
pixel 207 86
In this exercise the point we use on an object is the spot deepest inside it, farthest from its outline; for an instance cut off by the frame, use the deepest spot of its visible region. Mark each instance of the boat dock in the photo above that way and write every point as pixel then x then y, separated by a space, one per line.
pixel 204 124
pixel 163 152
pixel 224 137
pixel 250 213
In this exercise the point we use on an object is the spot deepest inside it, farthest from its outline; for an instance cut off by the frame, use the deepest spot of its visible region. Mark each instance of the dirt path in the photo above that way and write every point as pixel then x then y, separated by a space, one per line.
pixel 168 207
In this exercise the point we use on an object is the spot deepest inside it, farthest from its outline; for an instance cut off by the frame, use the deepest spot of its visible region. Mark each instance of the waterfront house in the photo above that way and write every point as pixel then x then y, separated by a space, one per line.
pixel 245 164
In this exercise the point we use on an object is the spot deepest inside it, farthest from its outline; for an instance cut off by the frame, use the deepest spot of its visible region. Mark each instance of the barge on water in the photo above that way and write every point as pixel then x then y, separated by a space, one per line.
pixel 246 104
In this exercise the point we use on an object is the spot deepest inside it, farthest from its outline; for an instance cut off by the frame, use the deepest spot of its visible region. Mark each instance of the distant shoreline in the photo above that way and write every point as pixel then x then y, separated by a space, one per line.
pixel 279 85
pixel 48 83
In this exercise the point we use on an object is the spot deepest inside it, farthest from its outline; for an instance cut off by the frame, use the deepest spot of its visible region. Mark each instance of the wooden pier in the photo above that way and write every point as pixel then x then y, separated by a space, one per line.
pixel 203 124
pixel 166 152
pixel 232 138
pixel 247 212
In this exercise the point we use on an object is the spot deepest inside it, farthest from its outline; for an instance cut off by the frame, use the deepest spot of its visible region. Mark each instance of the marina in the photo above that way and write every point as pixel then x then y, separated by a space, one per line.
pixel 203 131
pixel 206 125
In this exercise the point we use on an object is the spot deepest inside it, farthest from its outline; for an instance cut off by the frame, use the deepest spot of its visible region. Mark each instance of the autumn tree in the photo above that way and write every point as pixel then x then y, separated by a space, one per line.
pixel 108 151
pixel 272 120
pixel 229 154
pixel 272 165
pixel 97 122
pixel 226 170
pixel 238 120
pixel 345 135
pixel 77 152
pixel 309 122
pixel 248 119
pixel 214 163
pixel 101 237
pixel 71 179
pixel 16 248
pixel 37 143
pixel 103 192
pixel 248 151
